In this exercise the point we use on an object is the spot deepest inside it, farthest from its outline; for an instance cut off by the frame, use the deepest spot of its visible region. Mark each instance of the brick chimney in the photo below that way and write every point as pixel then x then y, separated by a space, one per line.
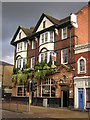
pixel 31 29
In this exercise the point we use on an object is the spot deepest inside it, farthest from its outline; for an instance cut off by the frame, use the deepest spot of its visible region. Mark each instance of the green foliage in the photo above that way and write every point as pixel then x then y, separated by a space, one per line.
pixel 28 70
pixel 53 66
pixel 27 65
pixel 40 72
pixel 15 70
pixel 14 78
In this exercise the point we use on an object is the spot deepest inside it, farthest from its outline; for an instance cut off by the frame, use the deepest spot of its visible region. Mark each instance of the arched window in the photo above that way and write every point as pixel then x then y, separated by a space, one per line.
pixel 81 65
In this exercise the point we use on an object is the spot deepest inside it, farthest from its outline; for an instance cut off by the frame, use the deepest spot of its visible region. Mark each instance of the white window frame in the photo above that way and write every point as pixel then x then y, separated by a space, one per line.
pixel 44 56
pixel 51 40
pixel 62 62
pixel 25 45
pixel 48 37
pixel 78 62
pixel 63 32
pixel 32 66
pixel 23 87
pixel 33 42
pixel 24 60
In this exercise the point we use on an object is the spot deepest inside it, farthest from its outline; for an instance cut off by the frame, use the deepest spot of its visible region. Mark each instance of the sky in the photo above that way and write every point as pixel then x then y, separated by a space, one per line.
pixel 27 14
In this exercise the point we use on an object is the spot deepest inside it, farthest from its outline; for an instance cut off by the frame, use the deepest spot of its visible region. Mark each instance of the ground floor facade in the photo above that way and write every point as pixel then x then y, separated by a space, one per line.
pixel 54 90
pixel 82 92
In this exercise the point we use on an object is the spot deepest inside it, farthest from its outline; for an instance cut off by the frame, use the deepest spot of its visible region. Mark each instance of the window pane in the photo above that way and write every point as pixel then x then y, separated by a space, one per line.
pixel 33 62
pixel 24 63
pixel 33 44
pixel 42 57
pixel 20 35
pixel 45 57
pixel 65 56
pixel 64 30
pixel 42 38
pixel 21 45
pixel 44 24
pixel 51 36
pixel 24 45
pixel 82 65
pixel 46 37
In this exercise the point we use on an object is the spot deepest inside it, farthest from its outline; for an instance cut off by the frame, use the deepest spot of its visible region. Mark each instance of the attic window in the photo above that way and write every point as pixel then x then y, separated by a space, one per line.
pixel 20 35
pixel 44 24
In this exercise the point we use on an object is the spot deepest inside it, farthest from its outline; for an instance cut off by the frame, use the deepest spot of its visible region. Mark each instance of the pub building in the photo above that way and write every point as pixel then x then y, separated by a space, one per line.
pixel 66 40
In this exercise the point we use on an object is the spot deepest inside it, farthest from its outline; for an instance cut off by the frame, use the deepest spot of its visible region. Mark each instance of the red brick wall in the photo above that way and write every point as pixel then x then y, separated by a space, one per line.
pixel 61 44
pixel 86 56
pixel 31 52
pixel 82 20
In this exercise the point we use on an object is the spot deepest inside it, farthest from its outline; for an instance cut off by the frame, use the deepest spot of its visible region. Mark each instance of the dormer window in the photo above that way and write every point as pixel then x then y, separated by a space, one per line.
pixel 44 24
pixel 20 35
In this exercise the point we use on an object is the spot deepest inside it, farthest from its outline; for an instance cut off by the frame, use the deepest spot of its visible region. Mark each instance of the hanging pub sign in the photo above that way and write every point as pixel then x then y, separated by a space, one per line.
pixel 53 56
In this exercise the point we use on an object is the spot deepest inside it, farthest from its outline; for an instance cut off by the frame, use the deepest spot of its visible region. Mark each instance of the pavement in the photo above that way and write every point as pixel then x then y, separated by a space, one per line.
pixel 45 112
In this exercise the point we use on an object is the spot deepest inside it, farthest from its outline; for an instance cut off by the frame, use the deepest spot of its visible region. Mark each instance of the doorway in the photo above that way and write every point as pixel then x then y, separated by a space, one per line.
pixel 64 99
pixel 80 99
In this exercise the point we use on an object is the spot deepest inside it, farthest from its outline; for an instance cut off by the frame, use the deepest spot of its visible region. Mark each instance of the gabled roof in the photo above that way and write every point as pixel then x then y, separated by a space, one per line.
pixel 25 30
pixel 52 19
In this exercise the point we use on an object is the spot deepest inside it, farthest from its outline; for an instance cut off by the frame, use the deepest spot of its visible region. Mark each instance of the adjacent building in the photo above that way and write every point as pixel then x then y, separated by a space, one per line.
pixel 68 40
pixel 5 78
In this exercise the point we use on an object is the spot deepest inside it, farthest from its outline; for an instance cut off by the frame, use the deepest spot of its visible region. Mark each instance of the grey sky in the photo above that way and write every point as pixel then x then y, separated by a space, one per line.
pixel 27 14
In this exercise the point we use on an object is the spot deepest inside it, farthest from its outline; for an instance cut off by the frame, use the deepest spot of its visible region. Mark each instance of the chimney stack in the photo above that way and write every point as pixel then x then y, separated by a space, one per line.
pixel 31 29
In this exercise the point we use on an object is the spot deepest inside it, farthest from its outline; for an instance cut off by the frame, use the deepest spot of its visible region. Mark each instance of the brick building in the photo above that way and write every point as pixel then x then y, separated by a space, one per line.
pixel 5 78
pixel 68 39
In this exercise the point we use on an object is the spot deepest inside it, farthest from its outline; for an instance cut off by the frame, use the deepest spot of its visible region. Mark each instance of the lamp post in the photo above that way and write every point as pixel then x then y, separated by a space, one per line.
pixel 30 95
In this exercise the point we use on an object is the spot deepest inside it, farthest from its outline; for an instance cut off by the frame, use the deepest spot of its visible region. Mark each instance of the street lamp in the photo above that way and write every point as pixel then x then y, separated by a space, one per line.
pixel 30 94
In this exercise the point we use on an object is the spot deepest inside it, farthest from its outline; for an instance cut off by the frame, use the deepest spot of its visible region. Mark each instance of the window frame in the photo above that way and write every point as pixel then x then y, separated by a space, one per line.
pixel 78 62
pixel 51 37
pixel 48 37
pixel 62 58
pixel 44 24
pixel 64 37
pixel 25 45
pixel 33 44
pixel 32 65
pixel 20 35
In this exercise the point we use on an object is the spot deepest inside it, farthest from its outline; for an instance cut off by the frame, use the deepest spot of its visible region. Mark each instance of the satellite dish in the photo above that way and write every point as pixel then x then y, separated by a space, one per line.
pixel 73 19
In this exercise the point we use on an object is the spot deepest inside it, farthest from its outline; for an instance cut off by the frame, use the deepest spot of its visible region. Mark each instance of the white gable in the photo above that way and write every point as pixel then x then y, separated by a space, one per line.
pixel 48 24
pixel 22 35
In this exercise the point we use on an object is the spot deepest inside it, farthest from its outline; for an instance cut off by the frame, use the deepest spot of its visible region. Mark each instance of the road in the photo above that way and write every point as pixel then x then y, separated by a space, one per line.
pixel 42 112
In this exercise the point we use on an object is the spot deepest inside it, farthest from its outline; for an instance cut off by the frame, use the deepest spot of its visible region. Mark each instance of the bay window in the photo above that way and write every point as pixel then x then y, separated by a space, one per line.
pixel 44 57
pixel 47 37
